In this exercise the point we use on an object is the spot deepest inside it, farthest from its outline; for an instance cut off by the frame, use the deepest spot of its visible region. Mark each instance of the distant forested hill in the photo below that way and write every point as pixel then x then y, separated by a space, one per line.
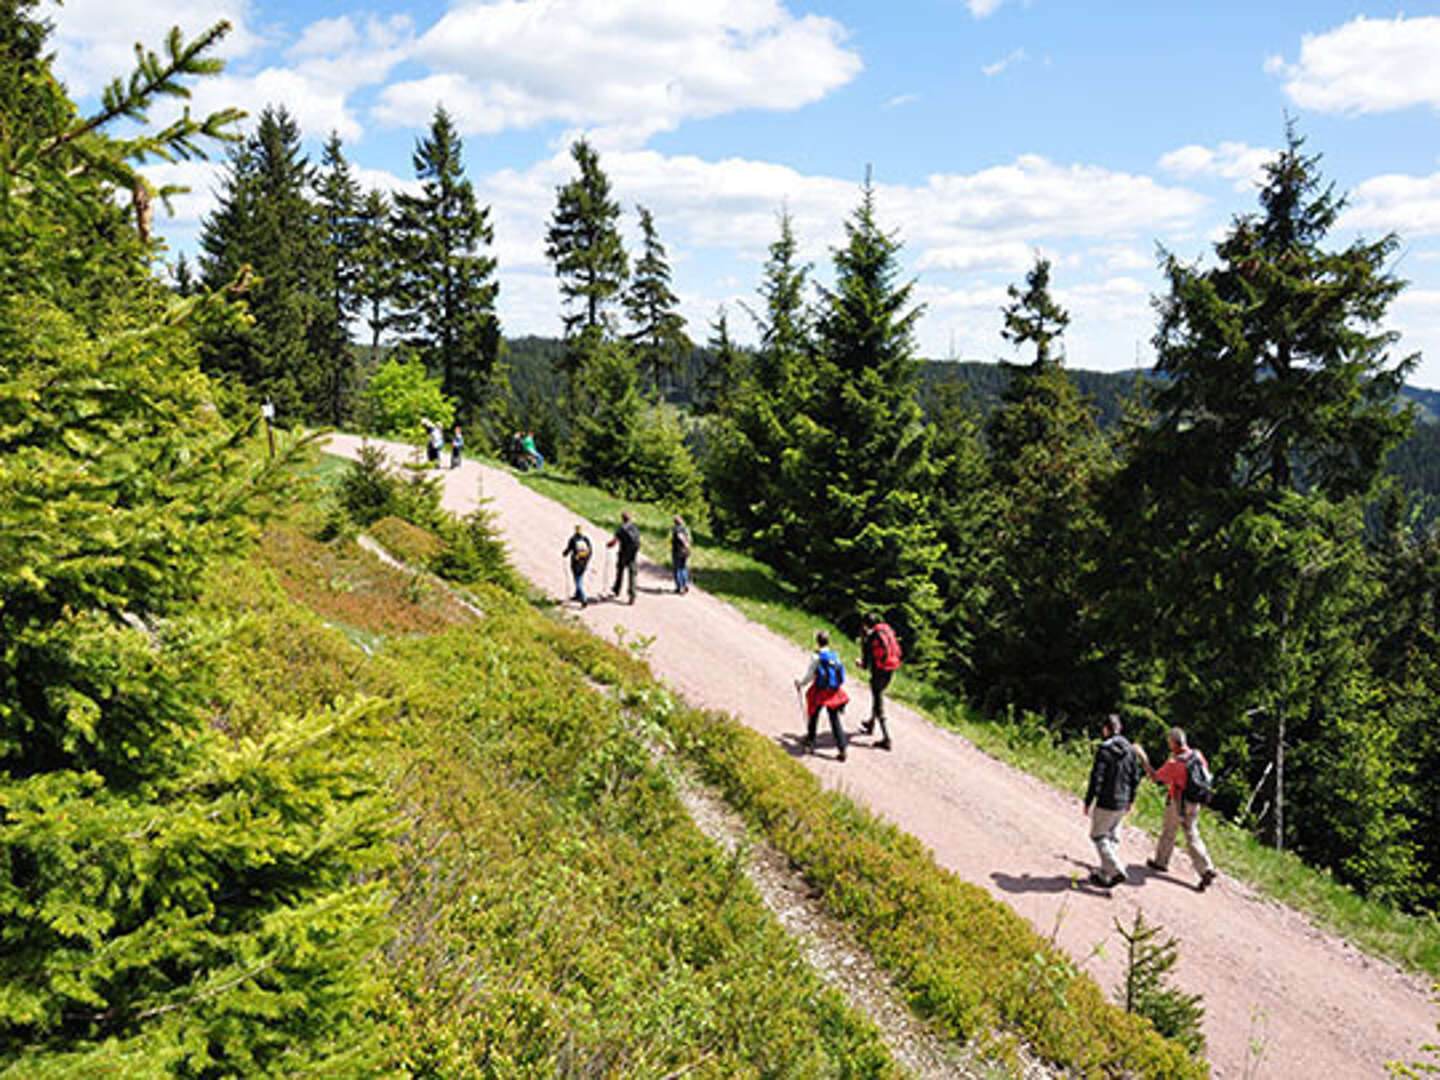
pixel 1416 461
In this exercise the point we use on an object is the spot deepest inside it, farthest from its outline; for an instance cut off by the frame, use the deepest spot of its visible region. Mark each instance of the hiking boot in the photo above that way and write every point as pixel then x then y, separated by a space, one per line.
pixel 1097 878
pixel 867 727
pixel 807 744
pixel 1206 879
pixel 841 755
pixel 883 744
pixel 1153 865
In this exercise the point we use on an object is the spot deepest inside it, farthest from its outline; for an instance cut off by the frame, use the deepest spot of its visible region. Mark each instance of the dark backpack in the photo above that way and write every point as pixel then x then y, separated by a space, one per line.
pixel 1199 784
pixel 629 541
pixel 829 670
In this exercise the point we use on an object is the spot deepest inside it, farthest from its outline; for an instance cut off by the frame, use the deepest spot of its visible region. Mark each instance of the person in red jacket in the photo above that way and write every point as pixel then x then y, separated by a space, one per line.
pixel 826 679
pixel 1179 813
pixel 880 655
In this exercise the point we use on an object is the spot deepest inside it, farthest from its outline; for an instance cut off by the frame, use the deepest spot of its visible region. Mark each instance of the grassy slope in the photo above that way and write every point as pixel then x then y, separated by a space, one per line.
pixel 555 910
pixel 758 592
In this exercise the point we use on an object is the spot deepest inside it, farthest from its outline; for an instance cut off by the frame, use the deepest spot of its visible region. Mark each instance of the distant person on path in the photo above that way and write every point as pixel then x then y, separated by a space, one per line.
pixel 532 451
pixel 826 679
pixel 880 655
pixel 1181 811
pixel 434 439
pixel 627 538
pixel 457 444
pixel 1114 778
pixel 579 552
pixel 680 554
pixel 518 457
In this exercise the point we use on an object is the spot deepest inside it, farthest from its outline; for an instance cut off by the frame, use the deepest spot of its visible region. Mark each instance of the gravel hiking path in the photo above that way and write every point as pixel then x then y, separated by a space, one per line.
pixel 1282 998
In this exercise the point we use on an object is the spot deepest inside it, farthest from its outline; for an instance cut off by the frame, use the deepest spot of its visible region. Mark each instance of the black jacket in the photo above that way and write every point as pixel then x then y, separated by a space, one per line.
pixel 1115 775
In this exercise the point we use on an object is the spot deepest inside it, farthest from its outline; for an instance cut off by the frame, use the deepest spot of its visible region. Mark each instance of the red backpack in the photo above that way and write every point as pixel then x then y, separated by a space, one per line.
pixel 885 648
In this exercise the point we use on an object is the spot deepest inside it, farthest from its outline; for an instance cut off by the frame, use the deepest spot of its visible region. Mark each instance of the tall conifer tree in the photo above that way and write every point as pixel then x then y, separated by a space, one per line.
pixel 338 210
pixel 651 304
pixel 377 275
pixel 447 289
pixel 584 243
pixel 263 236
pixel 868 470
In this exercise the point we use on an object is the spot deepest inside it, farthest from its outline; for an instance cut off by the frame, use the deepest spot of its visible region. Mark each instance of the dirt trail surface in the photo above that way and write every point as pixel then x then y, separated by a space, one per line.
pixel 1275 987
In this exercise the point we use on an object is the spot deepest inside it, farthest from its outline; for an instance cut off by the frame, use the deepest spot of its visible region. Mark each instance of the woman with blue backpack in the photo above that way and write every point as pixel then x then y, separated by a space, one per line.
pixel 826 680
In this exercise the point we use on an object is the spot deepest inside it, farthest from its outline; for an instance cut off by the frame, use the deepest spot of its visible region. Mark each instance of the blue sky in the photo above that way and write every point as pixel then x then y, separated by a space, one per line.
pixel 996 129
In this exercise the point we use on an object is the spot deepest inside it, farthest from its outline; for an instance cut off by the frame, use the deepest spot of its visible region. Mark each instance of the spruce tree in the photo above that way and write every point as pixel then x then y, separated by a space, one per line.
pixel 659 329
pixel 263 241
pixel 337 197
pixel 752 469
pixel 1038 645
pixel 1247 498
pixel 584 243
pixel 447 288
pixel 376 282
pixel 867 469
pixel 724 368
pixel 175 902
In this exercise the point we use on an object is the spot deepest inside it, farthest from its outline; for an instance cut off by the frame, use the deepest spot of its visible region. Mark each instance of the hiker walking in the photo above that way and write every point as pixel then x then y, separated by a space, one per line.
pixel 1114 778
pixel 457 444
pixel 880 655
pixel 579 551
pixel 434 439
pixel 680 554
pixel 826 680
pixel 1186 776
pixel 627 539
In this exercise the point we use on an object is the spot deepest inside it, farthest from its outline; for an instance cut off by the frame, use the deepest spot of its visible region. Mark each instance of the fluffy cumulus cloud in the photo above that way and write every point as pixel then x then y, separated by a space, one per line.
pixel 1366 65
pixel 625 65
pixel 1408 205
pixel 1235 161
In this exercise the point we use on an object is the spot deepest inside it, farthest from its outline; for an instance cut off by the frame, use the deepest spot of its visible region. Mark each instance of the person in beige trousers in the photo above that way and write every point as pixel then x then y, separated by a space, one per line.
pixel 1179 814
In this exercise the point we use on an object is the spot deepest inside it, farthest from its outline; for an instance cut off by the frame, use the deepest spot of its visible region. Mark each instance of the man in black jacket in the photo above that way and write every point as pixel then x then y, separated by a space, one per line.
pixel 1114 779
pixel 627 537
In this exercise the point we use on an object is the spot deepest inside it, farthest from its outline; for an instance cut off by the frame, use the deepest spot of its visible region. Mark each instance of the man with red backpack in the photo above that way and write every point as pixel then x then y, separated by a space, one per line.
pixel 879 655
pixel 1186 776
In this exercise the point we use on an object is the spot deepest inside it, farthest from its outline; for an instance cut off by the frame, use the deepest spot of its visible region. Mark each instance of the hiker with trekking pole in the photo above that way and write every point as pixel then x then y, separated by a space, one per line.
pixel 1188 787
pixel 578 551
pixel 826 680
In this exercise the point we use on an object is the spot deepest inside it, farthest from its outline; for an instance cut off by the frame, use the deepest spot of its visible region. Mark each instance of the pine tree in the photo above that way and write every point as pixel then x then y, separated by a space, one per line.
pixel 752 468
pixel 262 239
pixel 584 243
pixel 376 281
pixel 1149 962
pixel 1247 497
pixel 659 333
pixel 337 198
pixel 175 902
pixel 447 290
pixel 1037 649
pixel 867 467
pixel 725 368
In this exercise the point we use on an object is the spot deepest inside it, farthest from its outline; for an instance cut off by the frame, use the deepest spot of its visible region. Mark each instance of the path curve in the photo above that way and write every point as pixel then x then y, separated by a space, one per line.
pixel 1314 1005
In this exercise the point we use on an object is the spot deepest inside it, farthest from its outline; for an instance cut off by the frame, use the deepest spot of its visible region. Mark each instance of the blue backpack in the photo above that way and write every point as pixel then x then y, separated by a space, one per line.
pixel 829 671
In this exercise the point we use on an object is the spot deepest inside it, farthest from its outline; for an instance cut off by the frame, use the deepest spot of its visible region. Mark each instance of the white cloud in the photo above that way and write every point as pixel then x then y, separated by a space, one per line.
pixel 1237 161
pixel 94 40
pixel 901 99
pixel 982 8
pixel 1408 205
pixel 1366 65
pixel 1015 56
pixel 1010 256
pixel 626 65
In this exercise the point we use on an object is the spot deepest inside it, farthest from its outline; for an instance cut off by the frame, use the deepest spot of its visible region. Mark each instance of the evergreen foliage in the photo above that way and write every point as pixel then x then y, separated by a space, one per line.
pixel 174 901
pixel 1037 649
pixel 725 368
pixel 446 289
pixel 867 468
pixel 376 269
pixel 338 208
pixel 263 242
pixel 659 334
pixel 1148 963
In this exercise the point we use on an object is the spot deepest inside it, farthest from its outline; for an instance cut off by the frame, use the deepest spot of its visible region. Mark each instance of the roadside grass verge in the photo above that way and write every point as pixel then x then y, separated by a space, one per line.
pixel 759 593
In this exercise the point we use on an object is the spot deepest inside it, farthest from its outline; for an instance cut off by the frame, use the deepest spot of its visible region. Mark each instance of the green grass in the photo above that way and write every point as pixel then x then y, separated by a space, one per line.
pixel 758 592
